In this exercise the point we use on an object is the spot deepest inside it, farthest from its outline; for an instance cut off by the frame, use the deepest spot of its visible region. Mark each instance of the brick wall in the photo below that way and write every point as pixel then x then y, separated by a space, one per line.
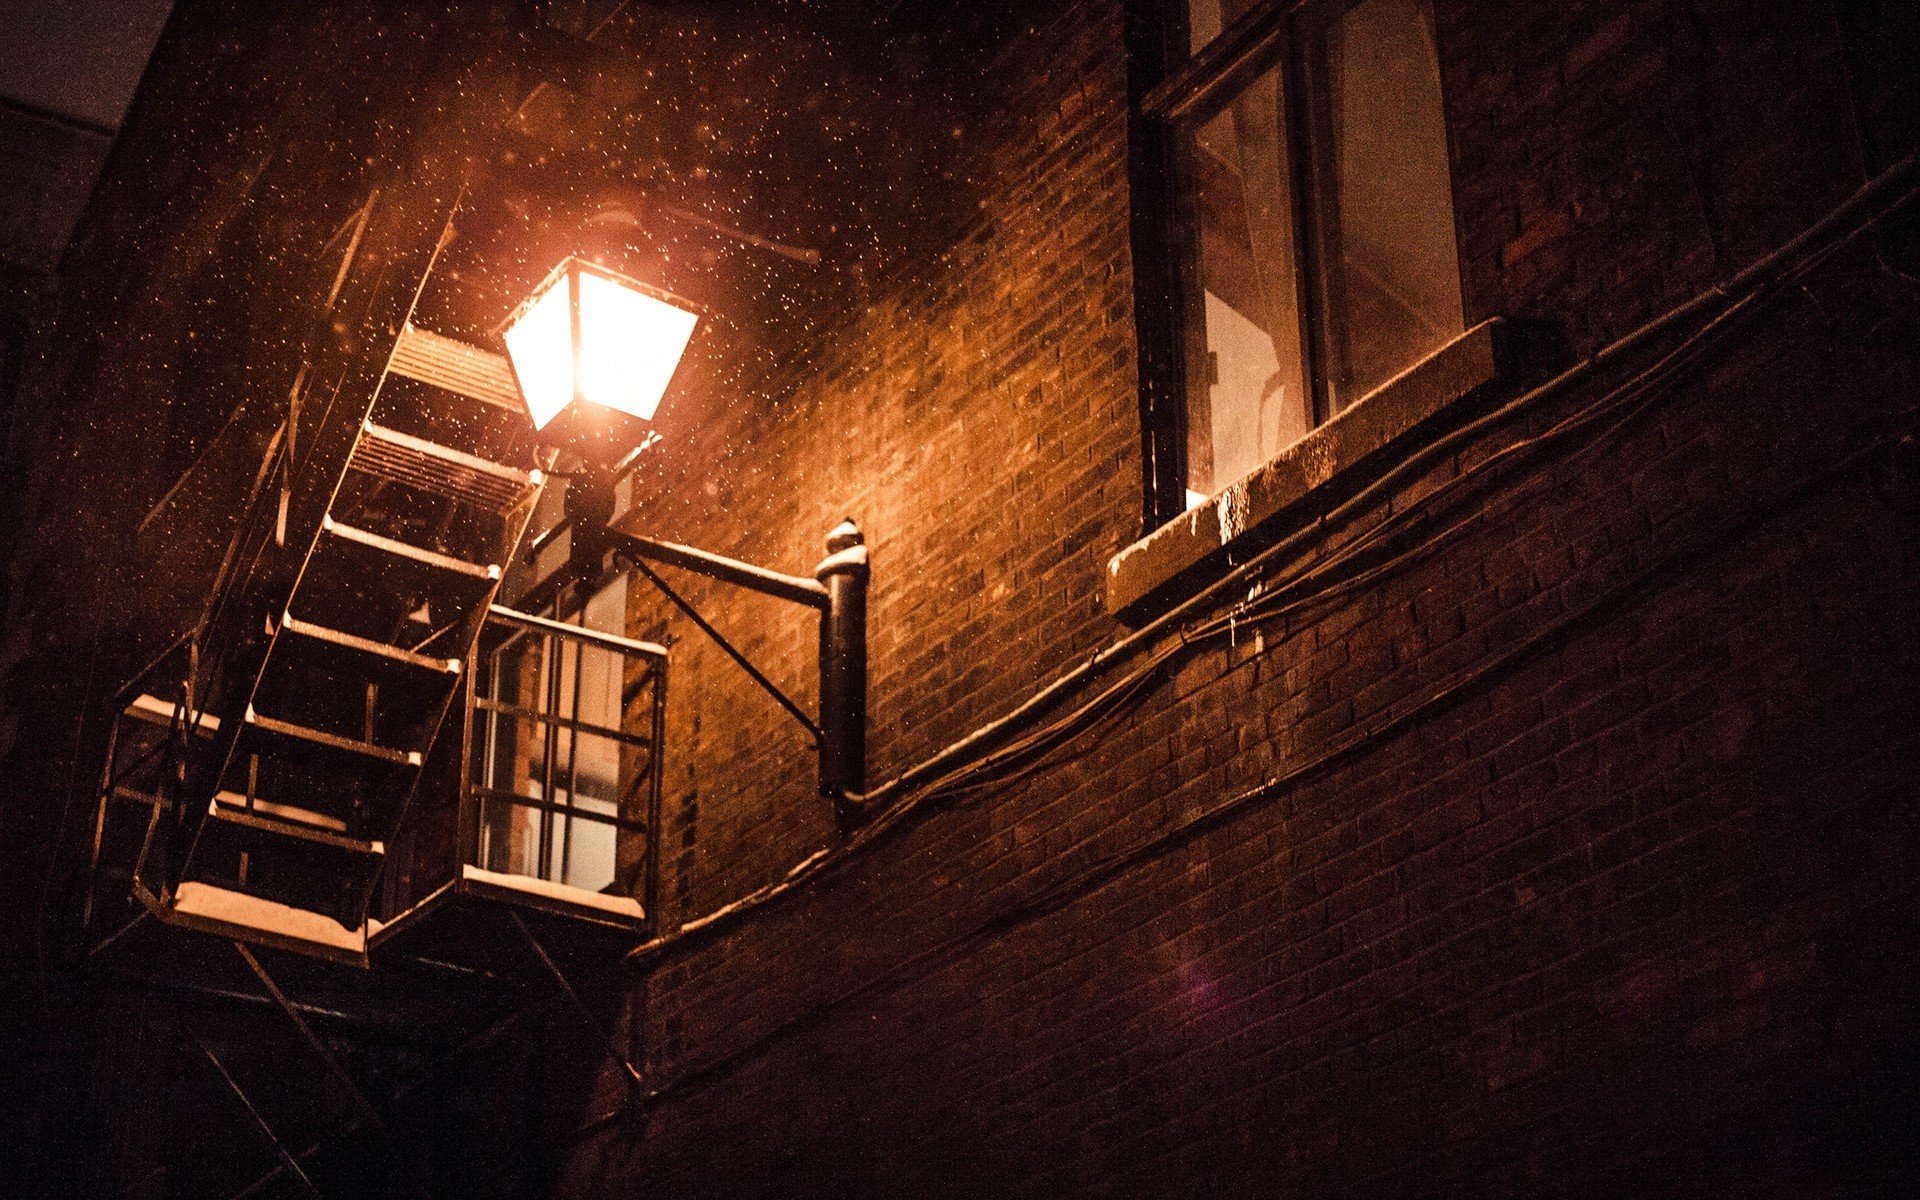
pixel 1570 855
pixel 976 417
pixel 1589 870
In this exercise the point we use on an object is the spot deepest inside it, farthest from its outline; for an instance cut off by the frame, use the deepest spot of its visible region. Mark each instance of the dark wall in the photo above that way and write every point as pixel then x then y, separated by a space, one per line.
pixel 51 165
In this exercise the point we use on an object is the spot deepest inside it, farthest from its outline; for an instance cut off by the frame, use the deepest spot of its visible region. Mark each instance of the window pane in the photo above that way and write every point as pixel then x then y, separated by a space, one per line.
pixel 574 778
pixel 539 843
pixel 585 854
pixel 1393 276
pixel 1207 18
pixel 1247 397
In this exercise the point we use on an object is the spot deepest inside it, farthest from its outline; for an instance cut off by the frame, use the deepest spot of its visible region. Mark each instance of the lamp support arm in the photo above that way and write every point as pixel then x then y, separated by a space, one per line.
pixel 837 592
pixel 720 639
pixel 794 588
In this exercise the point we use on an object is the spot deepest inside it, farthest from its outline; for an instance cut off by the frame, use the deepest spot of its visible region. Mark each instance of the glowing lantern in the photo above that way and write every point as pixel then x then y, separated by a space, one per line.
pixel 593 353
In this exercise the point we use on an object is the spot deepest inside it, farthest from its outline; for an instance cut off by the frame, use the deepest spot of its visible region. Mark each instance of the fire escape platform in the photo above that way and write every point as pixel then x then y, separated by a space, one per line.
pixel 556 898
pixel 462 918
pixel 232 914
pixel 478 894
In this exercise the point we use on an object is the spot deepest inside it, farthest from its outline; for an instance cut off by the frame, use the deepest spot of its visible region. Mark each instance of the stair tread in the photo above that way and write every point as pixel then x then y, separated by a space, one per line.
pixel 331 741
pixel 161 712
pixel 406 550
pixel 290 821
pixel 133 795
pixel 451 456
pixel 285 812
pixel 455 366
pixel 400 655
pixel 427 466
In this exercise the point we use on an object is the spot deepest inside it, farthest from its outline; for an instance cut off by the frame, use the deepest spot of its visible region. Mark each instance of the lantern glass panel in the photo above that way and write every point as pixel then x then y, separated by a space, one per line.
pixel 540 341
pixel 630 343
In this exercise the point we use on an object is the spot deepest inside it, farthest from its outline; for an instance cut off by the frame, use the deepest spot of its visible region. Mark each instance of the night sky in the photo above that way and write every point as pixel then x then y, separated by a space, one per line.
pixel 79 58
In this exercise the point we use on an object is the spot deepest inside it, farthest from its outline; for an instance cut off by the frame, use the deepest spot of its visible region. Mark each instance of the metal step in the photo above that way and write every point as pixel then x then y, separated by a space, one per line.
pixel 288 820
pixel 261 852
pixel 355 686
pixel 162 712
pixel 352 785
pixel 455 366
pixel 368 540
pixel 286 739
pixel 144 799
pixel 337 652
pixel 441 470
pixel 365 585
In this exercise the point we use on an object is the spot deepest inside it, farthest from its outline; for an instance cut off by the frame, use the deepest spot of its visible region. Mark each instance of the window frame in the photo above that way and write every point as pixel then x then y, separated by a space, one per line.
pixel 1174 93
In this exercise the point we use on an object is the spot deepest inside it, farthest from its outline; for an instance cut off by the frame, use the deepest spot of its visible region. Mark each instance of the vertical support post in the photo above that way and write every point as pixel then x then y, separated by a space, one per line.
pixel 843 666
pixel 475 760
pixel 657 740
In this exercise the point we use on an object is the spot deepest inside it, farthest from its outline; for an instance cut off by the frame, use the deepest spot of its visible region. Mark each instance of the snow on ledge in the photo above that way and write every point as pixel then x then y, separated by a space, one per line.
pixel 208 903
pixel 622 906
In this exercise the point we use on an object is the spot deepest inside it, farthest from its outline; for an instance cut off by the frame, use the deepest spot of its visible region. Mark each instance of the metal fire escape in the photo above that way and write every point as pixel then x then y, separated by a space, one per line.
pixel 274 817
pixel 262 773
pixel 343 747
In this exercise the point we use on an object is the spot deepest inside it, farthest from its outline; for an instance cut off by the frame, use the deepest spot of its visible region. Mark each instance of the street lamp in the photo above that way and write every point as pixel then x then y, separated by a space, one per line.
pixel 593 353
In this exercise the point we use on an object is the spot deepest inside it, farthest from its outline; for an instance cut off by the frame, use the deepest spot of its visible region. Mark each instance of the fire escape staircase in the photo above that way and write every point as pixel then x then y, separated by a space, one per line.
pixel 298 772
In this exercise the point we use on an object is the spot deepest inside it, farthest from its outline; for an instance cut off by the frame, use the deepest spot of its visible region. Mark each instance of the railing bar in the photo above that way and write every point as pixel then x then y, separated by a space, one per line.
pixel 656 778
pixel 551 750
pixel 535 716
pixel 573 749
pixel 512 616
pixel 496 796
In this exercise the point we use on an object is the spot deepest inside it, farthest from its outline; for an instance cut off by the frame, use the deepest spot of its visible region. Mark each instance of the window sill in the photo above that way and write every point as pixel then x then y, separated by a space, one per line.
pixel 1201 544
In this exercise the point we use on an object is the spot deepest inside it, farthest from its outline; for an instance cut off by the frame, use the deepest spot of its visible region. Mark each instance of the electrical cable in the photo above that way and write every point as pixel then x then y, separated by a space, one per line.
pixel 974 757
pixel 1055 895
pixel 1632 396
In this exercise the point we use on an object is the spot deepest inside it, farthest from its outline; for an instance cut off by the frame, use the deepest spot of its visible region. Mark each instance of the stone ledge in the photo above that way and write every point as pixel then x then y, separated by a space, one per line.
pixel 1195 546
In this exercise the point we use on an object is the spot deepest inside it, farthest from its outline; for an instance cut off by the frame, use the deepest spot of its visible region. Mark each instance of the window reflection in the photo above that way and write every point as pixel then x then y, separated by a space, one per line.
pixel 1248 395
pixel 1207 18
pixel 1307 286
pixel 559 795
pixel 1393 274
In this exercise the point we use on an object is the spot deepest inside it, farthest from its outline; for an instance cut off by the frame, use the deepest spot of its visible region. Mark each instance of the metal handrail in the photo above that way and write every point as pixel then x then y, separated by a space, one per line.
pixel 579 633
pixel 487 714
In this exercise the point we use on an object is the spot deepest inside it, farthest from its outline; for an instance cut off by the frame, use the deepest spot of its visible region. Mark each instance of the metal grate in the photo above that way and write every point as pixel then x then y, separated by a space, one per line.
pixel 430 467
pixel 452 364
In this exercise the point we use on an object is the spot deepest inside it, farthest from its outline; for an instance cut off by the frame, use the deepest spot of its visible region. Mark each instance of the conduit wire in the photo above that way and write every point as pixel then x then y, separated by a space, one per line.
pixel 1269 602
pixel 1056 894
pixel 976 754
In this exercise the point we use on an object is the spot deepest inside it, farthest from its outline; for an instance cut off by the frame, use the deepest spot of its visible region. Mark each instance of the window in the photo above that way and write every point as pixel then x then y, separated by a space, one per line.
pixel 1301 210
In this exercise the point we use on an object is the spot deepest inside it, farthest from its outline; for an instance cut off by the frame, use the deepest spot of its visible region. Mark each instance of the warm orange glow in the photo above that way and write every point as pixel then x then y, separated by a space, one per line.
pixel 630 342
pixel 540 342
